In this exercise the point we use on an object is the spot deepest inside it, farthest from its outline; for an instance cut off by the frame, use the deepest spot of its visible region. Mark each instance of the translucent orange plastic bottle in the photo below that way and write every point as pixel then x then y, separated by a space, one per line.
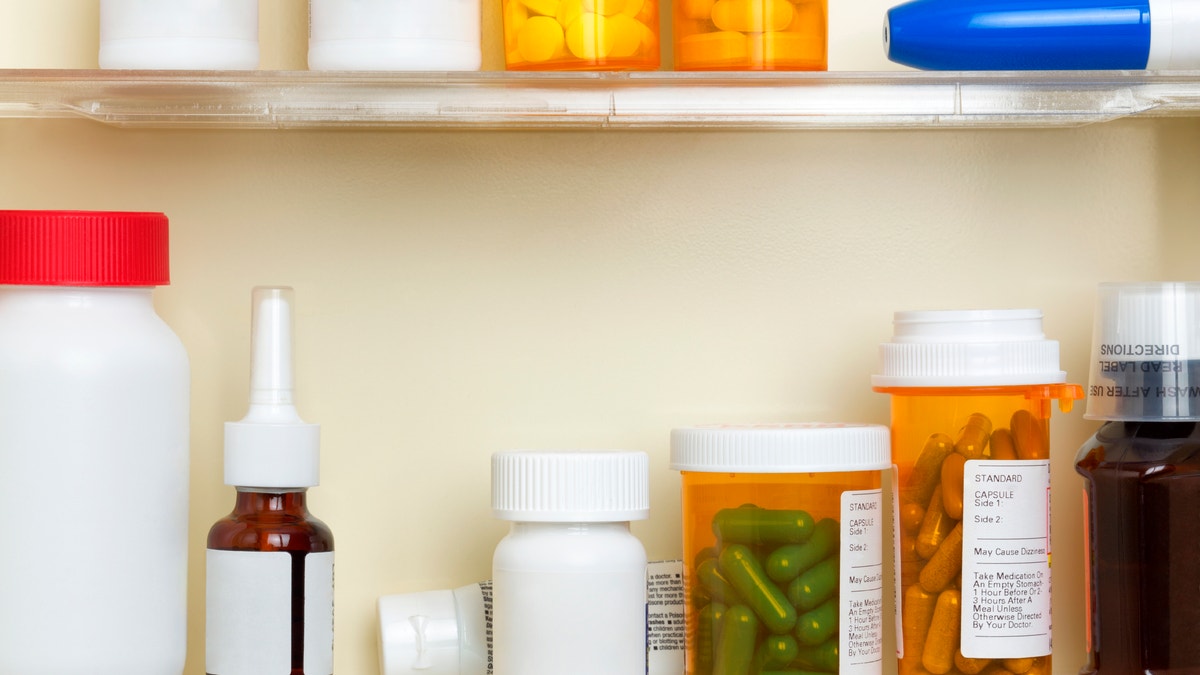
pixel 972 393
pixel 750 34
pixel 581 34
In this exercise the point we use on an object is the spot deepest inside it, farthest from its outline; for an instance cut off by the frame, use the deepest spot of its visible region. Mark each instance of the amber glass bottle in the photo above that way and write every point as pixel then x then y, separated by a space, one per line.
pixel 269 562
pixel 277 522
pixel 1142 481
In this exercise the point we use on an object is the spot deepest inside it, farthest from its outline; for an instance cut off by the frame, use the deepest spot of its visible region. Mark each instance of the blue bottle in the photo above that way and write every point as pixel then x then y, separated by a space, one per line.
pixel 1044 34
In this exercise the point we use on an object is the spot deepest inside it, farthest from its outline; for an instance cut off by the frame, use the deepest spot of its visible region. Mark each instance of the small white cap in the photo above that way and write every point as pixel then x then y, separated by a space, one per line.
pixel 781 448
pixel 968 348
pixel 1146 352
pixel 571 486
pixel 272 447
pixel 1174 35
pixel 418 634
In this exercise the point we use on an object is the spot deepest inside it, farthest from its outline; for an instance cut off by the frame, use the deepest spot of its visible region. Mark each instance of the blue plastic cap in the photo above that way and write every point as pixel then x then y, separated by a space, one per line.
pixel 1019 34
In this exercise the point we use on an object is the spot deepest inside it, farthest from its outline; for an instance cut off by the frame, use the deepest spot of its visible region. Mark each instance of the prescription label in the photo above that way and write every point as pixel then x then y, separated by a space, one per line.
pixel 249 612
pixel 665 632
pixel 861 584
pixel 1006 559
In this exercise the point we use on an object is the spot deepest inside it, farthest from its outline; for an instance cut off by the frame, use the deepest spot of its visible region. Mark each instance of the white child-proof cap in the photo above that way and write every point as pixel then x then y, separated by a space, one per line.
pixel 968 348
pixel 271 447
pixel 781 448
pixel 571 486
pixel 1146 352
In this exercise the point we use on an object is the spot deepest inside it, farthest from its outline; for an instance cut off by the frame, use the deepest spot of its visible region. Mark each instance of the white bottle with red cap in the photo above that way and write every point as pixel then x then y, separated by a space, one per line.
pixel 93 448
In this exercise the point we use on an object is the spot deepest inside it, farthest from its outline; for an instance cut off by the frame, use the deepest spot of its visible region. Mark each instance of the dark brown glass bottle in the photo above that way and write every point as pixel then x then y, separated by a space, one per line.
pixel 276 521
pixel 1143 543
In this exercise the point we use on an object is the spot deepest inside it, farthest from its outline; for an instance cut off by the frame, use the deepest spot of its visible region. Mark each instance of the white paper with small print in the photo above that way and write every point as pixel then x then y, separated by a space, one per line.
pixel 860 646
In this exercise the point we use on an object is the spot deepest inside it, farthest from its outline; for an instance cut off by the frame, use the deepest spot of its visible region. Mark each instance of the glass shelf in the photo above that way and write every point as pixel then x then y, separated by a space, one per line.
pixel 662 100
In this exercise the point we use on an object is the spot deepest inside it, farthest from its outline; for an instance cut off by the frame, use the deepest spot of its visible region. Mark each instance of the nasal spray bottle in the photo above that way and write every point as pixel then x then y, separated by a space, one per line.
pixel 270 563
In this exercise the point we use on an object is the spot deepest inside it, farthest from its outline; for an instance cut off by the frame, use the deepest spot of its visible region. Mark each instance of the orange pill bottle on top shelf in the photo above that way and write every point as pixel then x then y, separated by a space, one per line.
pixel 750 34
pixel 972 393
pixel 581 34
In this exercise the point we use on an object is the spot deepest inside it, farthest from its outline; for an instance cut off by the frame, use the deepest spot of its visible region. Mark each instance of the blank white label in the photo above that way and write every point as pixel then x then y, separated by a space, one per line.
pixel 249 613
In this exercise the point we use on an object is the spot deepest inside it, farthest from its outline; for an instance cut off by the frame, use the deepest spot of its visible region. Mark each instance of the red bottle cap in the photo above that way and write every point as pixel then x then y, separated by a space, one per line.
pixel 83 248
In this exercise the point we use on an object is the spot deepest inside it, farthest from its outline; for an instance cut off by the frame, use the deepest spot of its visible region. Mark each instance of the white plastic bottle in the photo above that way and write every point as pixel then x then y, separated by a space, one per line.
pixel 570 578
pixel 93 448
pixel 394 35
pixel 179 34
pixel 269 564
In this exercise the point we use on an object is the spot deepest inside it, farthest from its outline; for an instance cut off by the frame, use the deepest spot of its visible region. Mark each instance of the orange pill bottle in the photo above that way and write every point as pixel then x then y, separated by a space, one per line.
pixel 972 393
pixel 581 34
pixel 750 34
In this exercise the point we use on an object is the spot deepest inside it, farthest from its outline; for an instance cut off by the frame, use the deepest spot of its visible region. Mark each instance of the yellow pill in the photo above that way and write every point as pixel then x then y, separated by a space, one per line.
pixel 712 49
pixel 627 35
pixel 973 437
pixel 1018 666
pixel 633 7
pixel 695 9
pixel 1029 435
pixel 952 485
pixel 969 666
pixel 569 11
pixel 540 39
pixel 916 616
pixel 542 7
pixel 935 526
pixel 589 37
pixel 944 564
pixel 926 473
pixel 605 7
pixel 1002 445
pixel 942 640
pixel 911 516
pixel 752 16
pixel 785 48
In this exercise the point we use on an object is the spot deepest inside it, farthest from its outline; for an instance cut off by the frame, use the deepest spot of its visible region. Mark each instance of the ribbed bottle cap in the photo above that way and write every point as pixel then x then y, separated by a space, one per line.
pixel 571 486
pixel 969 348
pixel 781 448
pixel 83 248
pixel 1146 352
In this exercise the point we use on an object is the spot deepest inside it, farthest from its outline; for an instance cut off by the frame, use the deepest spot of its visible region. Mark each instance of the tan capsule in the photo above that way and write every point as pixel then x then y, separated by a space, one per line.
pixel 934 527
pixel 911 516
pixel 927 471
pixel 952 485
pixel 1041 666
pixel 1018 666
pixel 973 437
pixel 944 564
pixel 916 615
pixel 942 639
pixel 969 666
pixel 1002 445
pixel 996 669
pixel 1029 436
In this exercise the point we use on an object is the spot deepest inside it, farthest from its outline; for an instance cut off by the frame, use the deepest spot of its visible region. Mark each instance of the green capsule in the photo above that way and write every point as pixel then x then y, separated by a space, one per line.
pixel 746 575
pixel 714 582
pixel 816 585
pixel 754 526
pixel 790 672
pixel 778 651
pixel 818 625
pixel 706 620
pixel 706 553
pixel 735 648
pixel 788 562
pixel 822 658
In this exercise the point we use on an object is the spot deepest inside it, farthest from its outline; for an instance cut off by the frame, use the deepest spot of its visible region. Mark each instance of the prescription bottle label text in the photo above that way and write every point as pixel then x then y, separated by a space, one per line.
pixel 861 598
pixel 665 634
pixel 1006 559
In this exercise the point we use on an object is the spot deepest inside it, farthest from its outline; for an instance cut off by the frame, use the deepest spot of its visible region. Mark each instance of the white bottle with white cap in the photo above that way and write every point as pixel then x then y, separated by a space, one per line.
pixel 270 563
pixel 179 34
pixel 394 35
pixel 570 578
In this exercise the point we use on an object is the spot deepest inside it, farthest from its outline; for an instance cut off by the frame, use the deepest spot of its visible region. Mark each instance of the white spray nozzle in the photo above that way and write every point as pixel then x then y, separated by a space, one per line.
pixel 271 447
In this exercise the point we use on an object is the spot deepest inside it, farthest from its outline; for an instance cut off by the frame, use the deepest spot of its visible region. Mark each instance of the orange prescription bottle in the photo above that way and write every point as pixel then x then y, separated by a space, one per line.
pixel 750 34
pixel 783 547
pixel 581 34
pixel 972 393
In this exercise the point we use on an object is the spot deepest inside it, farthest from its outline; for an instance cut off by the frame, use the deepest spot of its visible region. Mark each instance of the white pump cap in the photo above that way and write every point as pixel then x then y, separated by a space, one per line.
pixel 272 447
pixel 418 633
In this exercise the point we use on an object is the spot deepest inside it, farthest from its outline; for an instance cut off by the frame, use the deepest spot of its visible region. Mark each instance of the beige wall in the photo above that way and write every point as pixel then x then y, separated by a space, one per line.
pixel 466 292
